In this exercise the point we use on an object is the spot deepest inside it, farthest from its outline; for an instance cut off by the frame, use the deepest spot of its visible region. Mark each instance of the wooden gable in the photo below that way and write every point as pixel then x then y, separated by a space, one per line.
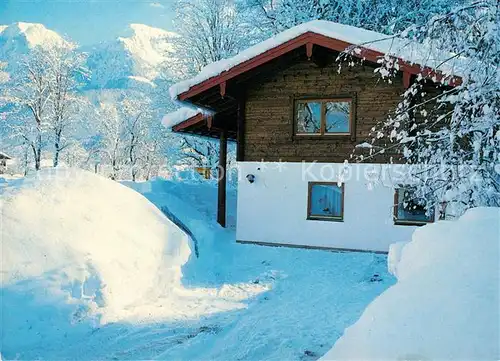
pixel 224 92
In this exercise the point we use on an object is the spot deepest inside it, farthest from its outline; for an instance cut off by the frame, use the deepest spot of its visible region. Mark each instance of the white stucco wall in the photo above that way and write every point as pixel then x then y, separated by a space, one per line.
pixel 274 208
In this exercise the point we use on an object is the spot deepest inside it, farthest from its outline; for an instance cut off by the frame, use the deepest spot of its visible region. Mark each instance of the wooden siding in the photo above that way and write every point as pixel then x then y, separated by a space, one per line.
pixel 269 114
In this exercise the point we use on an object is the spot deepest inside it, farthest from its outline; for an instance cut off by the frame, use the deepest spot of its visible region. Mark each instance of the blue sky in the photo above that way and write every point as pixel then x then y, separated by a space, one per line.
pixel 88 21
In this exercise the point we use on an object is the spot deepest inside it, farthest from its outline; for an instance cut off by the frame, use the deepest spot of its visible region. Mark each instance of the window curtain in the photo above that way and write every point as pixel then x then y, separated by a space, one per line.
pixel 326 200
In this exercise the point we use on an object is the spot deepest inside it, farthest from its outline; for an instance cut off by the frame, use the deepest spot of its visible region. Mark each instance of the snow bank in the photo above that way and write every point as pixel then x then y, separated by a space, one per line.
pixel 86 239
pixel 445 305
pixel 394 257
pixel 368 39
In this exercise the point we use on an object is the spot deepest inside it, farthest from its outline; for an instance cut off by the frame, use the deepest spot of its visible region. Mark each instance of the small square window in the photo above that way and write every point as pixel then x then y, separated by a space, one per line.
pixel 323 116
pixel 325 201
pixel 410 211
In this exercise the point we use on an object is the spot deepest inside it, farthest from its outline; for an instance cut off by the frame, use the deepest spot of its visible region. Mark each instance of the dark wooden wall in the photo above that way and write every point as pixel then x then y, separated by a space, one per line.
pixel 268 126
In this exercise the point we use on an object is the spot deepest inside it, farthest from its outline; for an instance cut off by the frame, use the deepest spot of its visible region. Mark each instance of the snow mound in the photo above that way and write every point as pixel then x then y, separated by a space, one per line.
pixel 445 305
pixel 87 238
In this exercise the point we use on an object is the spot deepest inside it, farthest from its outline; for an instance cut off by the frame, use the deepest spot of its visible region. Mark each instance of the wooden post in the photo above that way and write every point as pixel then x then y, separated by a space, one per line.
pixel 221 179
pixel 309 50
pixel 240 135
pixel 406 79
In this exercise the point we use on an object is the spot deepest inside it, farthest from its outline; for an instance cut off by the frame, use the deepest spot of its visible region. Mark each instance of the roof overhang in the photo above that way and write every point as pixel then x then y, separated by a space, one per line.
pixel 309 40
pixel 203 125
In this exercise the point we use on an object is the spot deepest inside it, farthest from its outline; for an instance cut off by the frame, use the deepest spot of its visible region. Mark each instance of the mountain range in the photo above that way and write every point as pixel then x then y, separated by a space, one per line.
pixel 135 59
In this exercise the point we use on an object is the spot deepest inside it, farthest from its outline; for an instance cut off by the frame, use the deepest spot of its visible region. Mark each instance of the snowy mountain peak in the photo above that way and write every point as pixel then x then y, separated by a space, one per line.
pixel 29 35
pixel 148 45
pixel 137 56
pixel 146 30
pixel 133 60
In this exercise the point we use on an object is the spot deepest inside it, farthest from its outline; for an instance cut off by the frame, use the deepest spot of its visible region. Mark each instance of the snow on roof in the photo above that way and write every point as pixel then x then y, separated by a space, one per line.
pixel 400 47
pixel 4 156
pixel 179 116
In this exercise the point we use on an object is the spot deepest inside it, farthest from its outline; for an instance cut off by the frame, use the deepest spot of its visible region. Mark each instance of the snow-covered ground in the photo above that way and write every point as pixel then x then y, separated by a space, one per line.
pixel 90 270
pixel 93 270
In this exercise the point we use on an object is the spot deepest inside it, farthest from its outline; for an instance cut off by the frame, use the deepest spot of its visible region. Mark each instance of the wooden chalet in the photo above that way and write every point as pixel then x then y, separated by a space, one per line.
pixel 257 99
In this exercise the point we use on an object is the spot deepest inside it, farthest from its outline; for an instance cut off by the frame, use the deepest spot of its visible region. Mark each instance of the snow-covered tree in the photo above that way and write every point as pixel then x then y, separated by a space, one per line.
pixel 130 140
pixel 65 69
pixel 4 76
pixel 197 152
pixel 194 152
pixel 449 138
pixel 136 111
pixel 387 16
pixel 75 156
pixel 155 151
pixel 111 133
pixel 209 30
pixel 27 96
pixel 144 136
pixel 41 99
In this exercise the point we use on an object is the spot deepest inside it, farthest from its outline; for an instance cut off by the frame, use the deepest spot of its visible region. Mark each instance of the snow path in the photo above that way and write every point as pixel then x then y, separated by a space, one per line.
pixel 315 296
pixel 239 302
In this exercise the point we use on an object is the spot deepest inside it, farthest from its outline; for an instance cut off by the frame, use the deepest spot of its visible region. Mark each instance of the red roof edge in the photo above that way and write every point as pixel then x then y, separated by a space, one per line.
pixel 195 119
pixel 301 40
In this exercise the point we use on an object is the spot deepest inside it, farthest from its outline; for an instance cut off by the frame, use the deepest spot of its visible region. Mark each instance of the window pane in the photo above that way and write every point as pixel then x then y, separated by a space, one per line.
pixel 411 210
pixel 337 117
pixel 308 117
pixel 325 200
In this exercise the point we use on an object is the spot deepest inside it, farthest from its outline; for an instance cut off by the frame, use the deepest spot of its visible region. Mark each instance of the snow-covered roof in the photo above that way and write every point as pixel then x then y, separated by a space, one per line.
pixel 4 156
pixel 180 115
pixel 414 53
